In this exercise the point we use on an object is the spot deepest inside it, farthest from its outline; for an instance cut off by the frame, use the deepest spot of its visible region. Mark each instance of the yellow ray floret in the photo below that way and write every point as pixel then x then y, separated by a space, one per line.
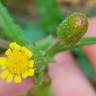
pixel 17 64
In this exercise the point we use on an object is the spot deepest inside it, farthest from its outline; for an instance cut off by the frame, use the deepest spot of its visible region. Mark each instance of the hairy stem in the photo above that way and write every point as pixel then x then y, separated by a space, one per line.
pixel 83 42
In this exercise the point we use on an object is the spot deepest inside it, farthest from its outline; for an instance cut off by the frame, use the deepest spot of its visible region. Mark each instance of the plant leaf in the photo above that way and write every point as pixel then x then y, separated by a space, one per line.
pixel 84 63
pixel 11 30
pixel 45 44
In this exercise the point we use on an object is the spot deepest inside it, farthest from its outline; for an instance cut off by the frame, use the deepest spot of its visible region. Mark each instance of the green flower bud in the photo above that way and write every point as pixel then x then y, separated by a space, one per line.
pixel 72 29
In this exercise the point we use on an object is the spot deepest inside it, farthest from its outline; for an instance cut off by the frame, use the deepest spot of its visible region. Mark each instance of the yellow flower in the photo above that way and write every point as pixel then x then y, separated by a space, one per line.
pixel 17 64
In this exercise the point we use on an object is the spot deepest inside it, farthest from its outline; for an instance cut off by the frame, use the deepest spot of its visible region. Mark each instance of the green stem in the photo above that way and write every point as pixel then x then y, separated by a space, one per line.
pixel 83 42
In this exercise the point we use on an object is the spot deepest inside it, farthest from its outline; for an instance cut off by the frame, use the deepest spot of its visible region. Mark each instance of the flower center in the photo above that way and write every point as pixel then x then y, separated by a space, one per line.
pixel 17 62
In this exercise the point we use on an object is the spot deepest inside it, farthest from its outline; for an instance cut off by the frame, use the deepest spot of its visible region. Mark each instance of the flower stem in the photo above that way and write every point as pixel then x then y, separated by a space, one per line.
pixel 57 47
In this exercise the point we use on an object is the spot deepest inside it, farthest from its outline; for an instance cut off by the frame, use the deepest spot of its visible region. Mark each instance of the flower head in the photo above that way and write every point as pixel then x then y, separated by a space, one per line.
pixel 17 63
pixel 72 29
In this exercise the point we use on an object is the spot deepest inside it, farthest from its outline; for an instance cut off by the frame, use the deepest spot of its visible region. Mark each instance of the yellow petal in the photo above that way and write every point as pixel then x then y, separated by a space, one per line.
pixel 4 74
pixel 15 46
pixel 8 52
pixel 9 78
pixel 3 62
pixel 17 79
pixel 27 52
pixel 31 72
pixel 31 63
pixel 25 75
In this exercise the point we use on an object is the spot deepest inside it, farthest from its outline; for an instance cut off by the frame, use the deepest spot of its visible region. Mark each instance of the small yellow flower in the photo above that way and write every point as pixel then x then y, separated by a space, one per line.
pixel 17 63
